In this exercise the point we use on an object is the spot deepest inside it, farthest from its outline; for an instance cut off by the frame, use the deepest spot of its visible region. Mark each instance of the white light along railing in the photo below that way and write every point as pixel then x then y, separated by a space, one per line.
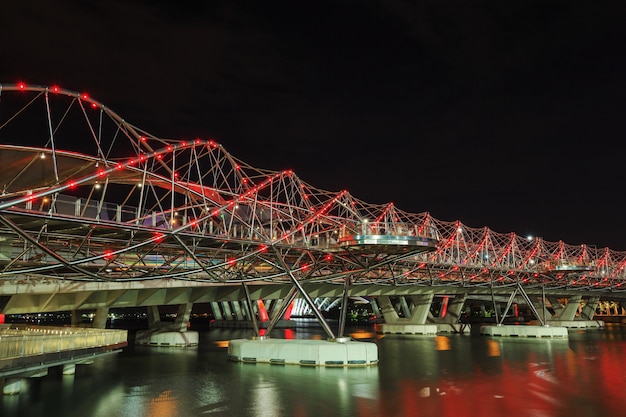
pixel 38 340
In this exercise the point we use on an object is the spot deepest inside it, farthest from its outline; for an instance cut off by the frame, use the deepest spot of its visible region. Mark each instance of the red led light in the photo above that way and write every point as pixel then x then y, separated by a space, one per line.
pixel 143 138
pixel 21 86
pixel 55 89
pixel 85 96
pixel 94 105
pixel 108 254
pixel 120 166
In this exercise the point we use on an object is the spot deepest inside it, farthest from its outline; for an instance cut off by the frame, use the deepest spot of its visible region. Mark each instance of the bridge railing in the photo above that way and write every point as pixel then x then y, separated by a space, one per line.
pixel 16 342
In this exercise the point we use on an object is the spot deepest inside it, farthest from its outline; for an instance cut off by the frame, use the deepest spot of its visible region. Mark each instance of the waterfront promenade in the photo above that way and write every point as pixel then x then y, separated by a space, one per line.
pixel 28 351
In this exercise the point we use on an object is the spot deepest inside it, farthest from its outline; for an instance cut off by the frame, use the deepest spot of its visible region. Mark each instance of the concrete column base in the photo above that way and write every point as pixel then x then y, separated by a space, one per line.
pixel 577 324
pixel 165 338
pixel 524 331
pixel 453 328
pixel 394 328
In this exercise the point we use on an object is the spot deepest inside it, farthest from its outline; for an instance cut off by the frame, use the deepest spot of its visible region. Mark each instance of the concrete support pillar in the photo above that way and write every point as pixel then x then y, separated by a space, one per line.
pixel 556 307
pixel 228 313
pixel 568 312
pixel 76 318
pixel 154 317
pixel 590 308
pixel 443 311
pixel 454 308
pixel 389 313
pixel 375 309
pixel 541 308
pixel 12 386
pixel 237 309
pixel 415 323
pixel 404 306
pixel 100 318
pixel 217 312
pixel 69 369
pixel 182 317
pixel 168 334
pixel 422 307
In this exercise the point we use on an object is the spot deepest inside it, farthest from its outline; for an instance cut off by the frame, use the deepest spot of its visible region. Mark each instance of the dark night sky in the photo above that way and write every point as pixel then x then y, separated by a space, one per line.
pixel 506 114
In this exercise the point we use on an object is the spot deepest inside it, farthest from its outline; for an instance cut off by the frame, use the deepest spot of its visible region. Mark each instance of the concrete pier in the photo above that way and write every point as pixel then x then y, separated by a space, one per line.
pixel 524 331
pixel 577 324
pixel 400 328
pixel 168 334
pixel 160 337
pixel 341 353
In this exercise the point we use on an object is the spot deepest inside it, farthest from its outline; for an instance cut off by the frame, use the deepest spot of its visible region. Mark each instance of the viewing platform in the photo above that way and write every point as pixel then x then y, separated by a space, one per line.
pixel 391 243
pixel 28 351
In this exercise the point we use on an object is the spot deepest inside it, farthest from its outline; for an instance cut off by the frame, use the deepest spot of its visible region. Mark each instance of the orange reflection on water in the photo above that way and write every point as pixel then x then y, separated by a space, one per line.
pixel 221 343
pixel 442 342
pixel 362 334
pixel 163 406
pixel 493 348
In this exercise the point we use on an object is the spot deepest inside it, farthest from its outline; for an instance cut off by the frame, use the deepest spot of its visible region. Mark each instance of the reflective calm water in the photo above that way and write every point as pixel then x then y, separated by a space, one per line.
pixel 455 375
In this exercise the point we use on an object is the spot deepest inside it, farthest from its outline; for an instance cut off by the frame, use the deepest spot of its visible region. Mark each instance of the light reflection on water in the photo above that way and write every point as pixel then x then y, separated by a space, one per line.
pixel 443 376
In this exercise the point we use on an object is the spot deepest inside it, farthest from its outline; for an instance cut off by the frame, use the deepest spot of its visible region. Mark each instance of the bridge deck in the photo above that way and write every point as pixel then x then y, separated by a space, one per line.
pixel 26 350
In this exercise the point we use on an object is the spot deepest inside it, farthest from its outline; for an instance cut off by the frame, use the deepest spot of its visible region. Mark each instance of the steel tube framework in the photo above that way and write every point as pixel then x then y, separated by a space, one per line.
pixel 87 196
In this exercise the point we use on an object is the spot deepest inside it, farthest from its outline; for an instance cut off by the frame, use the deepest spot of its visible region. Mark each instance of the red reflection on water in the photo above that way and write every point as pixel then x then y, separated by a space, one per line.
pixel 559 384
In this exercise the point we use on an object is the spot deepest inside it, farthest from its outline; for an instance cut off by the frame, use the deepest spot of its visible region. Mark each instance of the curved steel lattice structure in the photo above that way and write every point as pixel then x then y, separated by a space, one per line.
pixel 89 196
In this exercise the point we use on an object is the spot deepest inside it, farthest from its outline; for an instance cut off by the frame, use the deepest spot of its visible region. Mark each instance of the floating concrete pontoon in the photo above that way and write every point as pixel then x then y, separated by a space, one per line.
pixel 394 328
pixel 342 352
pixel 524 331
pixel 578 324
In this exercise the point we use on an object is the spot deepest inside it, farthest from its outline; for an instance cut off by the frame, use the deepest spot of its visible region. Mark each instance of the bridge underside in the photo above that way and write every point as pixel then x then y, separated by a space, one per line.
pixel 69 296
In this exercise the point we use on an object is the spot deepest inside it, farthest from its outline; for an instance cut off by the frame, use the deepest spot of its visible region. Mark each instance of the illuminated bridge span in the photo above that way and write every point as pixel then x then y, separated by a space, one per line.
pixel 92 201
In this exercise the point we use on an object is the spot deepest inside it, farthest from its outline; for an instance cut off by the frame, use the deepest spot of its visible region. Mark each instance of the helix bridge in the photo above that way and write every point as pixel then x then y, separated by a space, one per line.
pixel 88 196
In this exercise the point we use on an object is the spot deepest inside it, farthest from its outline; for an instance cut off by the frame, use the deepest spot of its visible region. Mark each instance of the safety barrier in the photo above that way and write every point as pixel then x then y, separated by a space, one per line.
pixel 17 342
